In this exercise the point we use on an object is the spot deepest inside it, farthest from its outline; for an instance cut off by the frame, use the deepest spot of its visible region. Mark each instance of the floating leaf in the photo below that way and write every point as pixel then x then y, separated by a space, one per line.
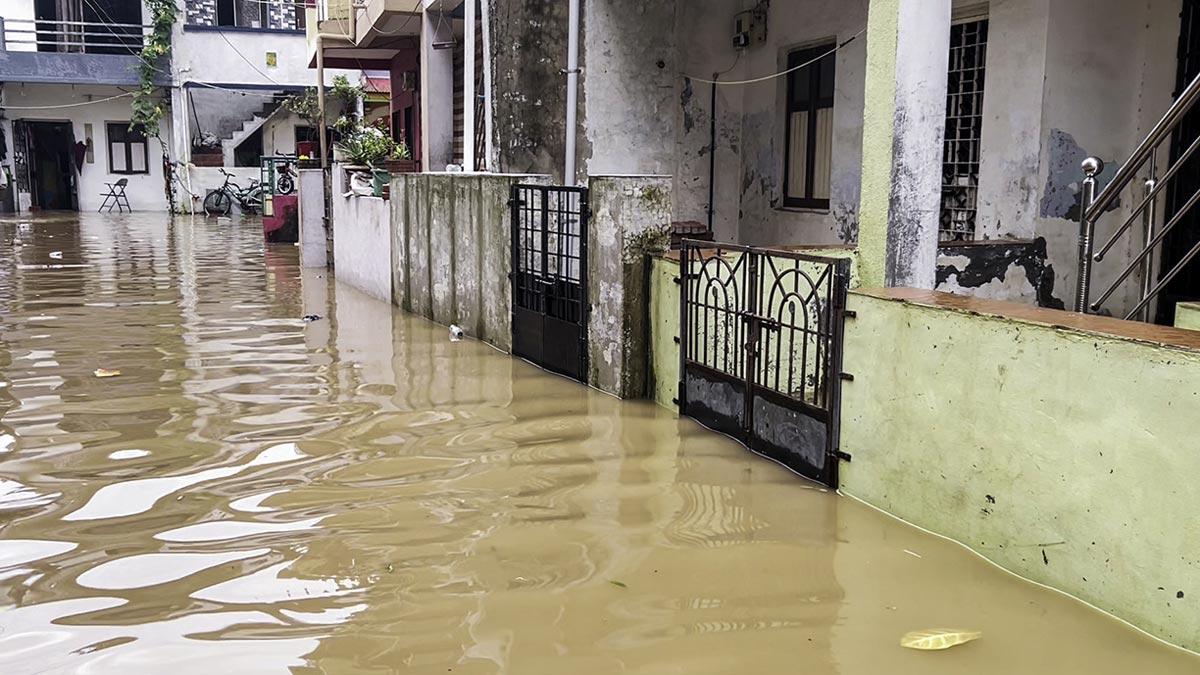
pixel 938 638
pixel 618 584
pixel 106 372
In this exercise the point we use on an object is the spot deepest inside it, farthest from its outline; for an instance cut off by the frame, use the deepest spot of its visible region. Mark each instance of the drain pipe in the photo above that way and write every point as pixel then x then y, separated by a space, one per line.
pixel 712 153
pixel 572 88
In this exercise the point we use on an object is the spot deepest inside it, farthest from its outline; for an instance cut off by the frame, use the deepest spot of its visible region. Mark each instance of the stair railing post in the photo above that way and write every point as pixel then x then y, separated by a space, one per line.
pixel 1087 196
pixel 1148 262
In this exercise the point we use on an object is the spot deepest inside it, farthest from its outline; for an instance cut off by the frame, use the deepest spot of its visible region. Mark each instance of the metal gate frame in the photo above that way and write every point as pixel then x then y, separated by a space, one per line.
pixel 749 316
pixel 549 277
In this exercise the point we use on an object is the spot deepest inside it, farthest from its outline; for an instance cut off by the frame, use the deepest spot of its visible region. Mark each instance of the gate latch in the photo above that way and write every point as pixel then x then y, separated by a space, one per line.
pixel 844 456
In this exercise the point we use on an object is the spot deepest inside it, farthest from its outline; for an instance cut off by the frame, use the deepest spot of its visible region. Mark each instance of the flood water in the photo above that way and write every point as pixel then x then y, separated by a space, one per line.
pixel 258 493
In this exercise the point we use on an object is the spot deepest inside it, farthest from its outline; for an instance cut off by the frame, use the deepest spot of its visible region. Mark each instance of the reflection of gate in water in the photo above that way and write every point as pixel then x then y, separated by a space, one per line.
pixel 761 350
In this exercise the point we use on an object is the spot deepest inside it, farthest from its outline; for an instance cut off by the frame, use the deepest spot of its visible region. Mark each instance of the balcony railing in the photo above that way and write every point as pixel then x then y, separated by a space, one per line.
pixel 84 37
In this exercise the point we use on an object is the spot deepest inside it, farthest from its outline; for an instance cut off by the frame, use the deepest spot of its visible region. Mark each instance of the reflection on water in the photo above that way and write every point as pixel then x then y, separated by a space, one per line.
pixel 256 493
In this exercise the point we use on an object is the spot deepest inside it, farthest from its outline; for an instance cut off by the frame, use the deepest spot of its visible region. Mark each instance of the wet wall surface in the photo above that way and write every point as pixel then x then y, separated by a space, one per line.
pixel 256 492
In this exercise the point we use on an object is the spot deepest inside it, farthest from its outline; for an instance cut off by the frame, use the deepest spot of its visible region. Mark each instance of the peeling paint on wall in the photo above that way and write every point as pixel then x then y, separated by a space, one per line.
pixel 1060 199
pixel 1011 270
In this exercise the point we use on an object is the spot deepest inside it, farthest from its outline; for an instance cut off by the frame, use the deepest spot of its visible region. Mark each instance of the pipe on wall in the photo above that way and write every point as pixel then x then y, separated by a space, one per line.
pixel 469 87
pixel 572 89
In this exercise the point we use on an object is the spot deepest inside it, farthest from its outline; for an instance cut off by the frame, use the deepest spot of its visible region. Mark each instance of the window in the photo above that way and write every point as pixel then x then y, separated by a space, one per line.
pixel 809 128
pixel 964 129
pixel 242 13
pixel 127 151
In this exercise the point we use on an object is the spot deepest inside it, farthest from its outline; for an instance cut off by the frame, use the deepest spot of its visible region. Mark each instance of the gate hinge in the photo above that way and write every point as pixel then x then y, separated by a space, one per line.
pixel 677 280
pixel 844 456
pixel 850 314
pixel 676 339
pixel 847 377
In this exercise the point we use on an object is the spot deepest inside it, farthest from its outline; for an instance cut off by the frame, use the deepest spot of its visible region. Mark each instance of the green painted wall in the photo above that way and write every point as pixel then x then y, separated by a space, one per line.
pixel 1187 315
pixel 1069 458
pixel 878 136
pixel 664 328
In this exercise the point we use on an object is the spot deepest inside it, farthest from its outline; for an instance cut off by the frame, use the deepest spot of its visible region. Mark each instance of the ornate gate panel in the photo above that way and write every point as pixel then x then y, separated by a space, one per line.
pixel 761 350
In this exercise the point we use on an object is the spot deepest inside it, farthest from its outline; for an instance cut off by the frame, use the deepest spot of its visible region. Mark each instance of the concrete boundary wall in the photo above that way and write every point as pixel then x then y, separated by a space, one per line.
pixel 1064 454
pixel 630 217
pixel 362 241
pixel 451 250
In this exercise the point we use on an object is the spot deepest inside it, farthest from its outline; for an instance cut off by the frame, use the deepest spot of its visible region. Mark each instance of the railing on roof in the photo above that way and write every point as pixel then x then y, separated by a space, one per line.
pixel 1146 196
pixel 84 37
pixel 333 9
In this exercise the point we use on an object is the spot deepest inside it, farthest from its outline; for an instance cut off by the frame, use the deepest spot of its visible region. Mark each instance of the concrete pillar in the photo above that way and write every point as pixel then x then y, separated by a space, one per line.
pixel 903 129
pixel 312 218
pixel 437 96
pixel 469 87
pixel 630 217
pixel 181 144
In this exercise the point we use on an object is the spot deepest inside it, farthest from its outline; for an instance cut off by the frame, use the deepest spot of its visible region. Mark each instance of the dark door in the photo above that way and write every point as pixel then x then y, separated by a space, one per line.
pixel 51 165
pixel 549 277
pixel 761 351
pixel 1180 240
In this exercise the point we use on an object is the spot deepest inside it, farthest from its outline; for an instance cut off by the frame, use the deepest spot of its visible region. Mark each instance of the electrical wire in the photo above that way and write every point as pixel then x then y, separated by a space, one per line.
pixel 234 90
pixel 243 57
pixel 65 105
pixel 772 76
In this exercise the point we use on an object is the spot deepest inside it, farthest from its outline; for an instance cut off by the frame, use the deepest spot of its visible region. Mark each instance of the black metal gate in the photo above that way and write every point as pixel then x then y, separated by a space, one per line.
pixel 761 350
pixel 549 277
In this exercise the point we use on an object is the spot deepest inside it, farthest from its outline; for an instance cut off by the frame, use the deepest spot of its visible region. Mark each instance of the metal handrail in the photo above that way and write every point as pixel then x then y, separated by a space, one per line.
pixel 67 35
pixel 1093 206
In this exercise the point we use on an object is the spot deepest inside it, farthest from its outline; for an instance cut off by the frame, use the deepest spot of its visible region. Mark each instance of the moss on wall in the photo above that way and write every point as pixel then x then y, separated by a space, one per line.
pixel 1066 457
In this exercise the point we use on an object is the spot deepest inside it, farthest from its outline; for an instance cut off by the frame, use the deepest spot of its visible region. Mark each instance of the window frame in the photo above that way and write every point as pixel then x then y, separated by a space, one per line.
pixel 815 102
pixel 126 143
pixel 973 139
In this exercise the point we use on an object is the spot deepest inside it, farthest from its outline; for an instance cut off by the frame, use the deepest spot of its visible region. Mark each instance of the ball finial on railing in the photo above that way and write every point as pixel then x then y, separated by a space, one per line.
pixel 1092 166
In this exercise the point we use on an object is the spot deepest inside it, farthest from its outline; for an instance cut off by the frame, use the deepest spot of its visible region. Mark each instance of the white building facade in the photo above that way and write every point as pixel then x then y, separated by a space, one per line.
pixel 67 73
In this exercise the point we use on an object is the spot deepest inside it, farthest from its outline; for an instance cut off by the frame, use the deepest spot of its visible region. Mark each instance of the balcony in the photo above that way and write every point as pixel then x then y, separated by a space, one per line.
pixel 379 23
pixel 364 34
pixel 73 52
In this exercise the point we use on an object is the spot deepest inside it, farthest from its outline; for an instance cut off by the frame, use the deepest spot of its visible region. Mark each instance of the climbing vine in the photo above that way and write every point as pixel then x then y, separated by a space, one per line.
pixel 147 108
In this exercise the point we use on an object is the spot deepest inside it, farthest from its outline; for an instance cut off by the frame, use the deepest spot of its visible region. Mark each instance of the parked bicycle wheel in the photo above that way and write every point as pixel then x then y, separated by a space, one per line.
pixel 253 201
pixel 285 185
pixel 218 203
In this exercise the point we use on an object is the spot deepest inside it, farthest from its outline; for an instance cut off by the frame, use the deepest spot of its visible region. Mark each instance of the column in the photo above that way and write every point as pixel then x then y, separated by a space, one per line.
pixel 904 126
pixel 437 95
pixel 469 87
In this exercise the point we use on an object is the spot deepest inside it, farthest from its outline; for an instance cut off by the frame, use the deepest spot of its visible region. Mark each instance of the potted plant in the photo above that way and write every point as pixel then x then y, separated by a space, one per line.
pixel 401 160
pixel 365 148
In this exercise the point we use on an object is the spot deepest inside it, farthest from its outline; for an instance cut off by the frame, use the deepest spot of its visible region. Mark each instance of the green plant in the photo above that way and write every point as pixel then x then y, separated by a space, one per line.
pixel 347 94
pixel 305 105
pixel 148 108
pixel 367 146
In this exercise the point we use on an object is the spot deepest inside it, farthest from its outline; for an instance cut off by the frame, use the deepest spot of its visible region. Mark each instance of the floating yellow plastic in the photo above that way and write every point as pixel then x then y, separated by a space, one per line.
pixel 105 372
pixel 938 638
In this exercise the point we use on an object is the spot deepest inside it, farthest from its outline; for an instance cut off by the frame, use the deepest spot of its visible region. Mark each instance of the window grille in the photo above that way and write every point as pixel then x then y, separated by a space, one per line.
pixel 964 126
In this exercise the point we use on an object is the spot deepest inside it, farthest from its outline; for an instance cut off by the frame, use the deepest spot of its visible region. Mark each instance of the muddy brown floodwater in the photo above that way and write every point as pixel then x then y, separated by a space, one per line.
pixel 255 493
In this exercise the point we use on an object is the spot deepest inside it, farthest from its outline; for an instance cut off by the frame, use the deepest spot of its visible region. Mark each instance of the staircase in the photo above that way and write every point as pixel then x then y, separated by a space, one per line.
pixel 232 139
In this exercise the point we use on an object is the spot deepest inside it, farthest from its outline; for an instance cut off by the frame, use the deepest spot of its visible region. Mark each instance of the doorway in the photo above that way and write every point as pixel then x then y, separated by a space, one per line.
pixel 51 164
pixel 1180 240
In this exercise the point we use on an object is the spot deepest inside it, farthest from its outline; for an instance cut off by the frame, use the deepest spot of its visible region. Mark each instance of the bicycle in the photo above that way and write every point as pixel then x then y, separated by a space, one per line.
pixel 220 201
pixel 286 183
